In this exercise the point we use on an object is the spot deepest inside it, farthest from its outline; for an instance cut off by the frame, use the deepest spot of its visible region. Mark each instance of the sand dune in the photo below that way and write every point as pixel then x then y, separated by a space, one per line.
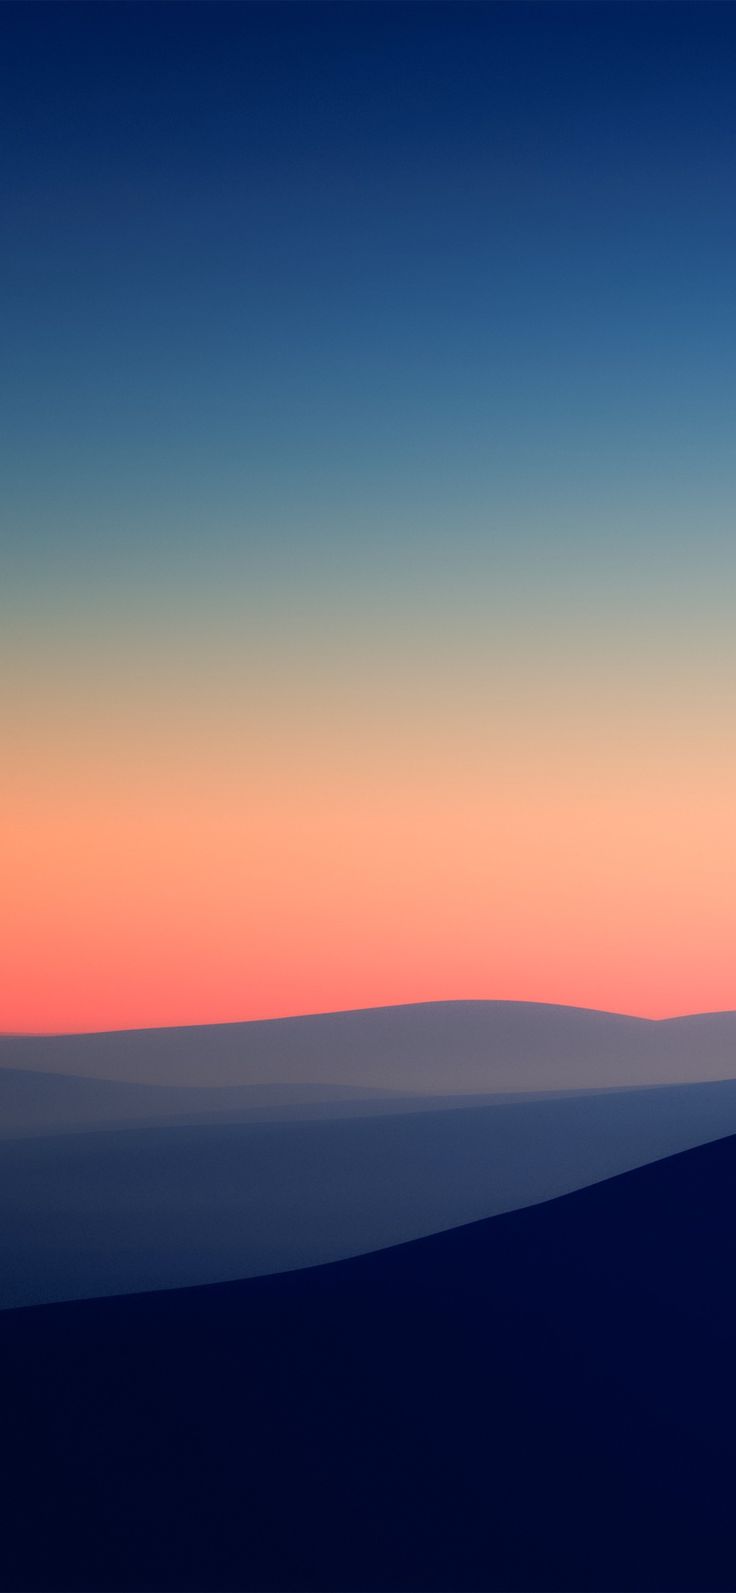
pixel 542 1401
pixel 151 1208
pixel 441 1047
pixel 34 1103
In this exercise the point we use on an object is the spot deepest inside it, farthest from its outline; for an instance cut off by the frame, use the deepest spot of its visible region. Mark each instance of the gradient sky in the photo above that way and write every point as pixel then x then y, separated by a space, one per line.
pixel 367 563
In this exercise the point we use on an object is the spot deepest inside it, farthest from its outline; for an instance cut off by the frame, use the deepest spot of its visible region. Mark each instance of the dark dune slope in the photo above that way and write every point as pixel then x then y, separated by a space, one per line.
pixel 546 1400
pixel 120 1211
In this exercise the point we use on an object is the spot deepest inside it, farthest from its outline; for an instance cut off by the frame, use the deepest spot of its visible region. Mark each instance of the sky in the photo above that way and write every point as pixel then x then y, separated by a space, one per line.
pixel 367 555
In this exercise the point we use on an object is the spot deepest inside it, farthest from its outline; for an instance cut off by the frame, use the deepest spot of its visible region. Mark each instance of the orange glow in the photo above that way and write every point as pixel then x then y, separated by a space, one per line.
pixel 145 886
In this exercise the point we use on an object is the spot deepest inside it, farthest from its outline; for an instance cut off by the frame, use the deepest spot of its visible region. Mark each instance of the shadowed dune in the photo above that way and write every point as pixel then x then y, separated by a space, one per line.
pixel 546 1400
pixel 152 1208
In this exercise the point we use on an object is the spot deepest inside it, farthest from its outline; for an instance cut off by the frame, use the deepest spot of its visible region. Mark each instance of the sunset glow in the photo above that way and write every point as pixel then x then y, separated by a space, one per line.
pixel 366 626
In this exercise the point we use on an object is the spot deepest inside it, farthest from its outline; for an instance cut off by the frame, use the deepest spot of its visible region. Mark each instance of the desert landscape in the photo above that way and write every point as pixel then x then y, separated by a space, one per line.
pixel 367 794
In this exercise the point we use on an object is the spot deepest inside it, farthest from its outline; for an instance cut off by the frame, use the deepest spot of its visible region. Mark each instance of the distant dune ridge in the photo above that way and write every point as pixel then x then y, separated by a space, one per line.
pixel 441 1047
pixel 33 1103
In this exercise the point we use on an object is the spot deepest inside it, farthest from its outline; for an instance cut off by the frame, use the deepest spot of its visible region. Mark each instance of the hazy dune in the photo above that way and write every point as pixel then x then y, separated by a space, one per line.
pixel 441 1047
pixel 52 1103
pixel 543 1401
pixel 150 1208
